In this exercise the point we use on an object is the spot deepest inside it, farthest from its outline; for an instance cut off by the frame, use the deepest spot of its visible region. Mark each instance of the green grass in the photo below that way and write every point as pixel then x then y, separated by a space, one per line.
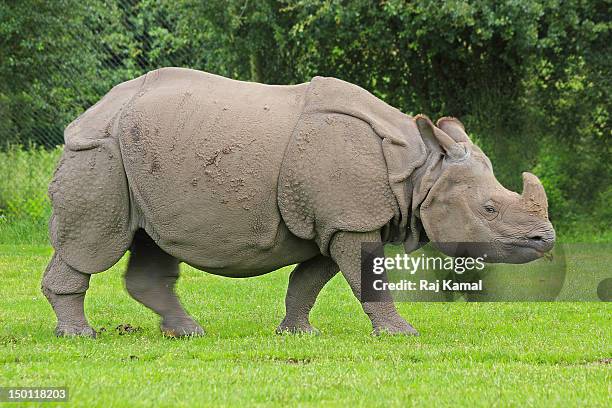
pixel 476 354
pixel 24 176
pixel 24 205
pixel 24 231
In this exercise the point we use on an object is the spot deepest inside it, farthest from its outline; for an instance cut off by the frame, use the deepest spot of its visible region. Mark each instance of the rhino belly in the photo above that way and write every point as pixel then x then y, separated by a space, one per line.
pixel 251 261
pixel 202 156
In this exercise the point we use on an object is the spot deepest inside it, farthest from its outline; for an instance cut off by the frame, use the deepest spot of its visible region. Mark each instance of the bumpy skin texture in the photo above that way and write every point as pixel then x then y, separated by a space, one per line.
pixel 239 179
pixel 90 225
pixel 347 164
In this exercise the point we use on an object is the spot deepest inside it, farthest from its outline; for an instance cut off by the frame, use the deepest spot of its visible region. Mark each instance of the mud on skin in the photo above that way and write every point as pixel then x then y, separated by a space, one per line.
pixel 240 179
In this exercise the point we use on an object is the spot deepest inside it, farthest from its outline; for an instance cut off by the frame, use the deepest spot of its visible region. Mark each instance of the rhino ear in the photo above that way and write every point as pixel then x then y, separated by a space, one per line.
pixel 453 149
pixel 454 128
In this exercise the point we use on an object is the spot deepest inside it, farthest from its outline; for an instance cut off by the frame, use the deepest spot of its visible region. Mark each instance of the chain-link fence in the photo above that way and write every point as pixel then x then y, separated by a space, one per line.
pixel 65 55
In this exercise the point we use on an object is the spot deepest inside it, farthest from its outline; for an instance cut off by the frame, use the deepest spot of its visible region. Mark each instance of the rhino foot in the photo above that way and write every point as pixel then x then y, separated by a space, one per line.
pixel 303 328
pixel 73 331
pixel 184 327
pixel 395 326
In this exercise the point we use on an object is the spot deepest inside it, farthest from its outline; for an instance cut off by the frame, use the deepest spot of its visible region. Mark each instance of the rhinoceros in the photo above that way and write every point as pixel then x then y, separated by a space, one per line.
pixel 240 179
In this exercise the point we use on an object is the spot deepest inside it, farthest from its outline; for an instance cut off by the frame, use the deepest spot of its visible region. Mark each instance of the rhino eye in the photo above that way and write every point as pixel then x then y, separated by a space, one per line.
pixel 490 209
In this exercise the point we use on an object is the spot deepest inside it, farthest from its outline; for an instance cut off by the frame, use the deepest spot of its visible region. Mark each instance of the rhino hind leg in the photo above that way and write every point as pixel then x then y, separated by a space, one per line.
pixel 150 278
pixel 65 289
pixel 305 283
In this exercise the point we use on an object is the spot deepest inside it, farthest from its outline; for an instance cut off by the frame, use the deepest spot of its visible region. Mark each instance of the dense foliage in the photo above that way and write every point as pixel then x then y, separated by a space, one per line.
pixel 530 79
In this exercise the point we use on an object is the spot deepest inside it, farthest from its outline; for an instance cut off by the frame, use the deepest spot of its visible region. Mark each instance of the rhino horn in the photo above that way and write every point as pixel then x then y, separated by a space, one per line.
pixel 534 195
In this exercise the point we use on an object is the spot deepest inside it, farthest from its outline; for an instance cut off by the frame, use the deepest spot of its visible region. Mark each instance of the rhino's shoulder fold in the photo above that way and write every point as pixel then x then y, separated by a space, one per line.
pixel 347 164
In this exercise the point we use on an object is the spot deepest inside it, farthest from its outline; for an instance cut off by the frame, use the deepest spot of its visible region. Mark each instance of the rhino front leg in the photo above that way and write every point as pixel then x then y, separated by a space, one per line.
pixel 345 249
pixel 65 287
pixel 305 284
pixel 150 278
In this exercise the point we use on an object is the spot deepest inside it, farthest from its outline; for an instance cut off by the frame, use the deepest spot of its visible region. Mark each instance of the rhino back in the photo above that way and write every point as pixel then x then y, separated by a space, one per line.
pixel 202 155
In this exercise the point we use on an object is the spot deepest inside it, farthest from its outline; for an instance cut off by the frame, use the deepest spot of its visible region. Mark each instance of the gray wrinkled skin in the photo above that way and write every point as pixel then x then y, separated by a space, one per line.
pixel 240 179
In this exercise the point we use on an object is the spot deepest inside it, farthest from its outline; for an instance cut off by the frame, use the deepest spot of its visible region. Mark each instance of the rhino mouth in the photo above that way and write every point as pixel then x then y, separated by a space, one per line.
pixel 538 243
pixel 520 250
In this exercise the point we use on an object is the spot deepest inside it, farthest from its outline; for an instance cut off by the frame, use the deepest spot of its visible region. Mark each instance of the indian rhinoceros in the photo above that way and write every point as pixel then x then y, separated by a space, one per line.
pixel 239 179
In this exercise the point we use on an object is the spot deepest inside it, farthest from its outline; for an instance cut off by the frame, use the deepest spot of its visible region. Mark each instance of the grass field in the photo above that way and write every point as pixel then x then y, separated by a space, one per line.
pixel 476 354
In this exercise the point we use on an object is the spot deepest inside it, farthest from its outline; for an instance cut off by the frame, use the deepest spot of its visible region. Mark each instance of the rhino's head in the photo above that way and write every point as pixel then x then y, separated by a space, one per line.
pixel 467 204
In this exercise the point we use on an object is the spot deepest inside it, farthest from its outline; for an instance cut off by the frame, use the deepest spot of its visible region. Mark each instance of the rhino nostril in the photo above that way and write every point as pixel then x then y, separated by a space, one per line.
pixel 543 240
